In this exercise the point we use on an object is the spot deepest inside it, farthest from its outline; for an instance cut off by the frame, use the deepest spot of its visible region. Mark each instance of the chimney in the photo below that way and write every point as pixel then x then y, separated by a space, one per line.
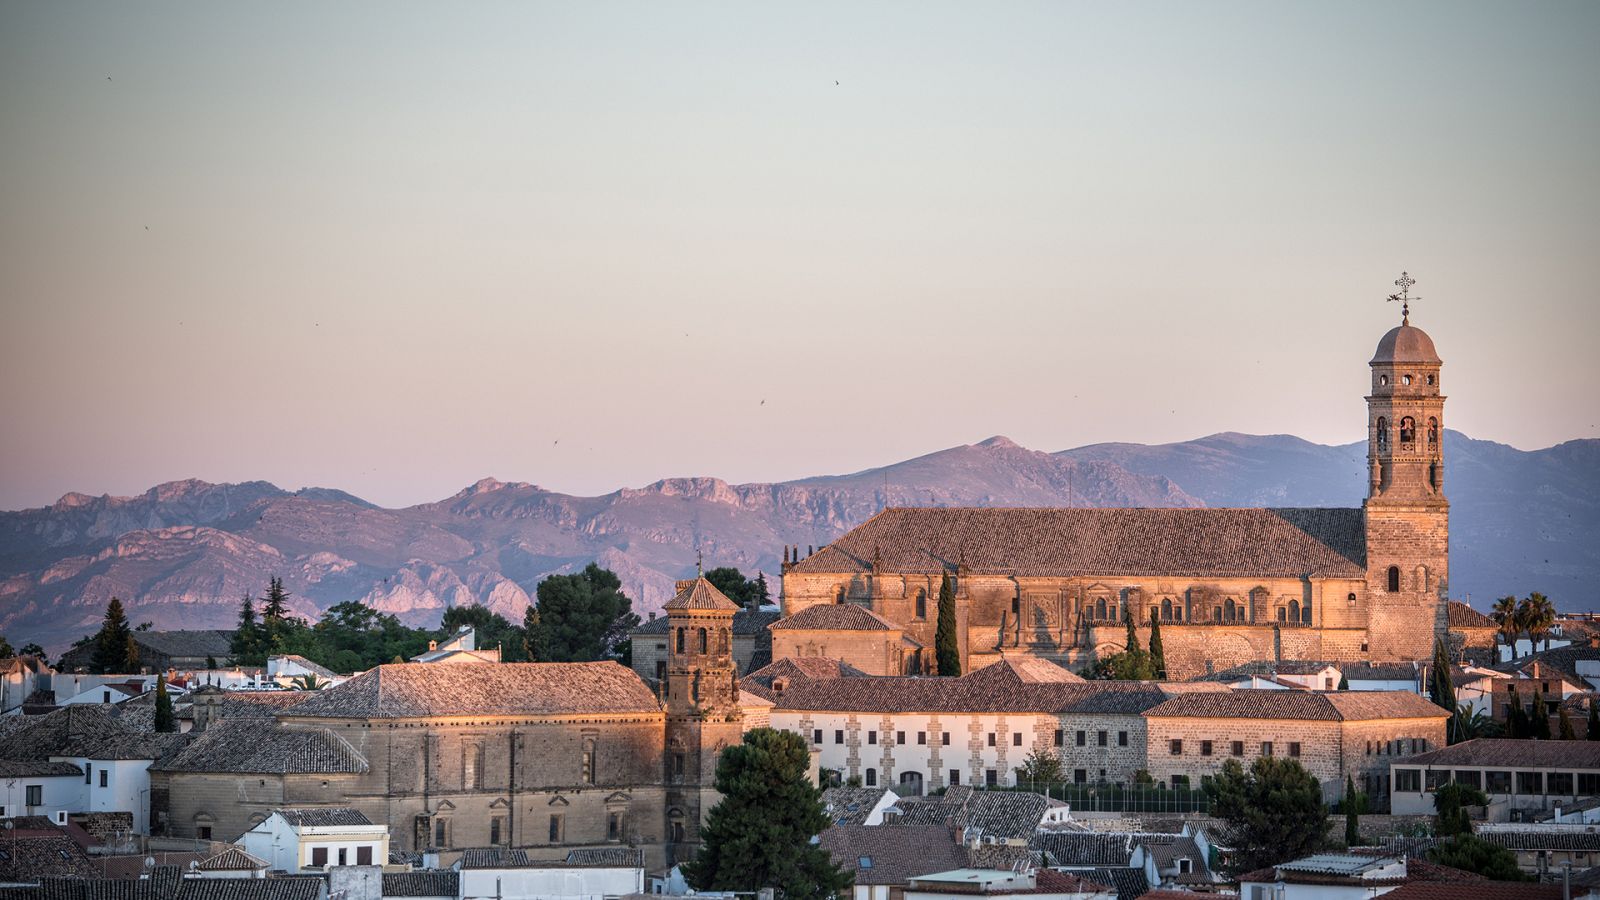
pixel 432 646
pixel 652 615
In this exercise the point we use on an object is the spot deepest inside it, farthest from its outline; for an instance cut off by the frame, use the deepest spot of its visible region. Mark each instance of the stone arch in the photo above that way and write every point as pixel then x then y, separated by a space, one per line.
pixel 1421 578
pixel 1394 579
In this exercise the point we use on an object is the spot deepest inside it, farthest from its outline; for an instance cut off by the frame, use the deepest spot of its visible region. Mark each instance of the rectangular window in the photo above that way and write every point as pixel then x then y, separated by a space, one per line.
pixel 1180 782
pixel 1205 748
pixel 1470 778
pixel 816 736
pixel 1122 739
pixel 872 778
pixel 1294 748
pixel 1080 776
pixel 1497 782
pixel 991 777
pixel 1266 748
pixel 677 765
pixel 899 737
pixel 955 776
pixel 364 855
pixel 991 739
pixel 838 735
pixel 1082 738
pixel 1101 736
pixel 441 833
pixel 557 828
pixel 661 670
pixel 1016 739
pixel 104 777
pixel 944 738
pixel 1558 784
pixel 203 832
pixel 87 768
pixel 494 830
pixel 34 795
pixel 872 737
pixel 344 859
pixel 1175 747
pixel 1061 737
pixel 1530 782
pixel 614 826
pixel 922 738
pixel 319 856
pixel 1408 780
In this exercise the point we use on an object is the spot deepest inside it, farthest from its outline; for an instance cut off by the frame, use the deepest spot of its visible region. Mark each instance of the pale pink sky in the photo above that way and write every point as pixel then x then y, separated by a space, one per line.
pixel 393 248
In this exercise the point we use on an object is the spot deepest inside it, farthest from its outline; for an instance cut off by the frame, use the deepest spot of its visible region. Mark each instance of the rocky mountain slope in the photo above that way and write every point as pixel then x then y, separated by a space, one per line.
pixel 182 554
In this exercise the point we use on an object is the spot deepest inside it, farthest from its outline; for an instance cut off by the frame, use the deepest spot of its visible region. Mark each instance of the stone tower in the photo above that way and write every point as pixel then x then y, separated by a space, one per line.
pixel 702 699
pixel 1407 516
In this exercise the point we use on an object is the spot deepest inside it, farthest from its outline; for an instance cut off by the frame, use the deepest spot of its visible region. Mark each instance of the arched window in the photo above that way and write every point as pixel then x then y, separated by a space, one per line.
pixel 1405 379
pixel 1294 610
pixel 1229 610
pixel 1433 430
pixel 1383 381
pixel 1383 433
pixel 872 778
pixel 1351 598
pixel 675 828
pixel 1394 579
pixel 1305 613
pixel 588 760
pixel 1100 608
pixel 702 636
pixel 1431 381
pixel 1283 614
pixel 1166 610
pixel 1155 612
pixel 680 639
pixel 922 603
pixel 1216 614
pixel 1408 430
pixel 722 640
pixel 839 598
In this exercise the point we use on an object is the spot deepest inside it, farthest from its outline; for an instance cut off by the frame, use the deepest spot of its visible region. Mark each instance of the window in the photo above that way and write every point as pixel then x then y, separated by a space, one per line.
pixel 838 735
pixel 944 738
pixel 1430 379
pixel 1080 776
pixel 1175 747
pixel 1383 433
pixel 863 862
pixel 472 763
pixel 34 795
pixel 680 640
pixel 441 832
pixel 1016 739
pixel 955 776
pixel 1180 782
pixel 319 856
pixel 922 738
pixel 557 827
pixel 203 832
pixel 991 778
pixel 1589 783
pixel 87 768
pixel 1266 748
pixel 661 669
pixel 588 760
pixel 991 739
pixel 1559 784
pixel 1083 738
pixel 1101 737
pixel 1383 380
pixel 614 828
pixel 1294 748
pixel 677 765
pixel 1408 780
pixel 1394 579
pixel 494 830
pixel 1061 738
pixel 872 737
pixel 899 737
pixel 1122 739
pixel 364 854
pixel 344 859
pixel 1497 782
pixel 922 603
pixel 104 777
pixel 700 635
pixel 105 696
pixel 1530 782
pixel 1433 427
pixel 1305 613
pixel 1185 865
pixel 872 778
pixel 1205 748
pixel 1470 778
pixel 816 736
pixel 1283 614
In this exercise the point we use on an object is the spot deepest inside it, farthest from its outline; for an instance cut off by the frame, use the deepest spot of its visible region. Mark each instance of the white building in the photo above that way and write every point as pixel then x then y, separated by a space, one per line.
pixel 1520 777
pixel 459 647
pixel 313 839
pixel 292 671
pixel 19 677
pixel 115 773
pixel 1035 884
pixel 592 874
pixel 1326 876
pixel 50 789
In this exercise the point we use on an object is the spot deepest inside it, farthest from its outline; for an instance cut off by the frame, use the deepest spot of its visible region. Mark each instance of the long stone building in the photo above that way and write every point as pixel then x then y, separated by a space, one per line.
pixel 1228 585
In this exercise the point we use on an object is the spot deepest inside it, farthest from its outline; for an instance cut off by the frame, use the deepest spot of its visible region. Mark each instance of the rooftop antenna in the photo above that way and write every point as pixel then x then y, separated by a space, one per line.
pixel 699 564
pixel 1404 298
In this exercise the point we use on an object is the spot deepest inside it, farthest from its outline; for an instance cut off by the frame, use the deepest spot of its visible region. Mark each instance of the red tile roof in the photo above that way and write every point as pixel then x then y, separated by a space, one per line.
pixel 418 690
pixel 1484 890
pixel 835 617
pixel 700 594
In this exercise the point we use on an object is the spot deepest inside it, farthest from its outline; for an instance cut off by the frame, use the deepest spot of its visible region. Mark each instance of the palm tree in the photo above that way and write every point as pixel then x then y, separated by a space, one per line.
pixel 1471 723
pixel 1506 615
pixel 1537 614
pixel 309 682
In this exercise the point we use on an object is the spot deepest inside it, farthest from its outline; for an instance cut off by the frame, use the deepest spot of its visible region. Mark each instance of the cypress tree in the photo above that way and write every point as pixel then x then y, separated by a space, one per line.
pixel 532 635
pixel 276 607
pixel 165 722
pixel 1516 719
pixel 112 642
pixel 1442 691
pixel 947 652
pixel 1352 816
pixel 763 595
pixel 1133 635
pixel 1344 683
pixel 1539 728
pixel 1158 657
pixel 1594 720
pixel 1567 734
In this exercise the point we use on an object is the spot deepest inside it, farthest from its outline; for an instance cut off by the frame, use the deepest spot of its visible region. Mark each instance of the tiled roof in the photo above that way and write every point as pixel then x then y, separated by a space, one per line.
pixel 1026 670
pixel 700 594
pixel 315 669
pixel 256 704
pixel 211 642
pixel 606 857
pixel 1373 671
pixel 146 745
pixel 1423 870
pixel 1006 815
pixel 306 888
pixel 493 858
pixel 262 746
pixel 1090 542
pixel 1298 705
pixel 1537 838
pixel 323 816
pixel 433 883
pixel 850 806
pixel 745 621
pixel 581 858
pixel 1167 849
pixel 233 859
pixel 418 690
pixel 812 668
pixel 1049 881
pixel 974 692
pixel 1129 883
pixel 1084 848
pixel 26 768
pixel 1268 667
pixel 63 731
pixel 1507 753
pixel 1170 894
pixel 1486 890
pixel 835 617
pixel 892 856
pixel 1460 615
pixel 27 858
pixel 1563 659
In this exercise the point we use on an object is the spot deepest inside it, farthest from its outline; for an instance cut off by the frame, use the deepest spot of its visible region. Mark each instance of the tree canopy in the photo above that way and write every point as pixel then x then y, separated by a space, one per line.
pixel 947 650
pixel 741 590
pixel 583 617
pixel 760 834
pixel 1273 810
pixel 114 651
pixel 165 721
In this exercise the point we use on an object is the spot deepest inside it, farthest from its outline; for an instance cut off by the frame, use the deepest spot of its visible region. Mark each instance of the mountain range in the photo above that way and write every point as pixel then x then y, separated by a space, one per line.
pixel 182 554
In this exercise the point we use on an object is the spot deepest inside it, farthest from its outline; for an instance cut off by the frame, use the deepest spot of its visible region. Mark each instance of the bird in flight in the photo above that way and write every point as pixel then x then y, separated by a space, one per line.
pixel 835 81
pixel 763 402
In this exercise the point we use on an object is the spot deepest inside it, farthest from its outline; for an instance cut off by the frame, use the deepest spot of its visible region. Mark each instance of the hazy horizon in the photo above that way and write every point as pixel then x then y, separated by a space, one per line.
pixel 392 248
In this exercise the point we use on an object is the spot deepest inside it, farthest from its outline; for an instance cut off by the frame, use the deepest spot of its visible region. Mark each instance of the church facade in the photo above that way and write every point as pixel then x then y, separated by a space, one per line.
pixel 1228 585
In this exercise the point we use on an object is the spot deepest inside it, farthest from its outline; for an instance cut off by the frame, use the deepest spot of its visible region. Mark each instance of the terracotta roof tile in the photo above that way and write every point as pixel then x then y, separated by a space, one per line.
pixel 1507 753
pixel 1084 848
pixel 1299 705
pixel 418 690
pixel 262 746
pixel 700 594
pixel 1487 890
pixel 323 816
pixel 1460 615
pixel 891 856
pixel 835 617
pixel 438 883
pixel 1088 542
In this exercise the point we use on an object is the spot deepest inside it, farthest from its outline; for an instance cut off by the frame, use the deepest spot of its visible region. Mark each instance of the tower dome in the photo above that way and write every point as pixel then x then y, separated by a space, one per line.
pixel 1406 343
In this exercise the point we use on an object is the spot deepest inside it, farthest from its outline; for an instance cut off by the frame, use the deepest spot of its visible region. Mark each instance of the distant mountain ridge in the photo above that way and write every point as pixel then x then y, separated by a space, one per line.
pixel 183 553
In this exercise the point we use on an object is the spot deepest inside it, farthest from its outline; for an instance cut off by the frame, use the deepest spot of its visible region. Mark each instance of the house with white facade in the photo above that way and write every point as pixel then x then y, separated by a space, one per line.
pixel 1521 778
pixel 49 789
pixel 115 771
pixel 585 874
pixel 312 839
pixel 459 647
pixel 20 676
pixel 292 671
pixel 1325 876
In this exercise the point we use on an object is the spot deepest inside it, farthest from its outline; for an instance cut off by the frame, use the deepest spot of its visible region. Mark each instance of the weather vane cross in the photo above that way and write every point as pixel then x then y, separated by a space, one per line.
pixel 1404 298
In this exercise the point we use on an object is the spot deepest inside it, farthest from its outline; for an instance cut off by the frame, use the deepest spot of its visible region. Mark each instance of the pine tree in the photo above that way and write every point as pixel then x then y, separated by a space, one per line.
pixel 246 641
pixel 1352 814
pixel 1344 683
pixel 763 595
pixel 1539 728
pixel 1442 691
pixel 112 642
pixel 276 607
pixel 946 650
pixel 1158 657
pixel 165 722
pixel 761 832
pixel 1567 734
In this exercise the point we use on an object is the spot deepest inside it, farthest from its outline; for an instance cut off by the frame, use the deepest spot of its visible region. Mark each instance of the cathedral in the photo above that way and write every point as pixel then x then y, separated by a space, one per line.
pixel 1228 586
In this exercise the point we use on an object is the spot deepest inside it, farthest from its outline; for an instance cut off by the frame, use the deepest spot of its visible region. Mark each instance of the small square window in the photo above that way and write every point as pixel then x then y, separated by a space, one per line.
pixel 922 737
pixel 1175 747
pixel 899 737
pixel 1205 748
pixel 1083 738
pixel 1294 748
pixel 872 737
pixel 1016 739
pixel 838 735
pixel 944 738
pixel 816 736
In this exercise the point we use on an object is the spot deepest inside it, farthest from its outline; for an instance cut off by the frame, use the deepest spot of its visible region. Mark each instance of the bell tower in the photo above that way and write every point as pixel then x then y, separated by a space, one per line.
pixel 1407 515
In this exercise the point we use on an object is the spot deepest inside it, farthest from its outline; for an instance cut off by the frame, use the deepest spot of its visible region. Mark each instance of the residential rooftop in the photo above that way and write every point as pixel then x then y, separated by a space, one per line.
pixel 418 690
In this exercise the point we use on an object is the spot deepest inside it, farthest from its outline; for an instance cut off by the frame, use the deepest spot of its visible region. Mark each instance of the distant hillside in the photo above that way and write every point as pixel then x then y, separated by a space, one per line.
pixel 182 554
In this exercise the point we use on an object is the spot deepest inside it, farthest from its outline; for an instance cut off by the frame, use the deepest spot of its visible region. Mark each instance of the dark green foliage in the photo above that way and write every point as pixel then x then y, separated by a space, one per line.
pixel 1041 767
pixel 5 648
pixel 492 630
pixel 112 642
pixel 1158 656
pixel 532 635
pixel 1567 734
pixel 946 650
pixel 1472 723
pixel 30 649
pixel 1442 691
pixel 1273 810
pixel 248 639
pixel 1594 720
pixel 351 637
pixel 274 606
pixel 1474 854
pixel 1516 719
pixel 1133 635
pixel 732 583
pixel 763 596
pixel 1352 813
pixel 165 721
pixel 1539 726
pixel 1450 802
pixel 1129 665
pixel 760 834
pixel 584 616
pixel 211 663
pixel 1344 683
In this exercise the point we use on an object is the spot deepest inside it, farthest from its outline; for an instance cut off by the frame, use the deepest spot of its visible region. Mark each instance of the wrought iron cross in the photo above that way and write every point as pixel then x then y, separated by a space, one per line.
pixel 1404 298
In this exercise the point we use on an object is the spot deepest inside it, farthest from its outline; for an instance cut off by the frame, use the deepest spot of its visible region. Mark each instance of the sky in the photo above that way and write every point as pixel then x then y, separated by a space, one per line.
pixel 396 247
